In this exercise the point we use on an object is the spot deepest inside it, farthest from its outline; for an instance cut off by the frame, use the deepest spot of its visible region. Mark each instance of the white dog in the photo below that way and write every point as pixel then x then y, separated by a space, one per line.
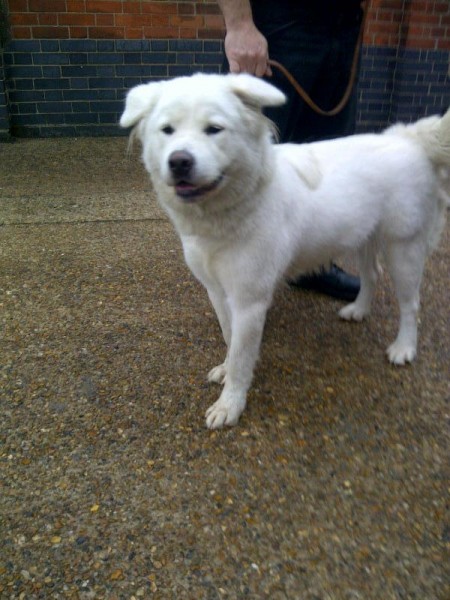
pixel 250 212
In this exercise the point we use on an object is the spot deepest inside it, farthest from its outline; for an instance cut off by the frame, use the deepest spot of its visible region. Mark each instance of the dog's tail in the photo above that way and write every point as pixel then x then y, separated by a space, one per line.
pixel 433 135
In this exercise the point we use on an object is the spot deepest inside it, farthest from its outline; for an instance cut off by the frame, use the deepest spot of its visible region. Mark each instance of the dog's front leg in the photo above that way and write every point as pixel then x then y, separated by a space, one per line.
pixel 219 301
pixel 246 332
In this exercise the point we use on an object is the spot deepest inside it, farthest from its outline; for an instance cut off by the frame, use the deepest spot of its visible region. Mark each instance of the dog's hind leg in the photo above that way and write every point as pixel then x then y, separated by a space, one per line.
pixel 406 262
pixel 368 272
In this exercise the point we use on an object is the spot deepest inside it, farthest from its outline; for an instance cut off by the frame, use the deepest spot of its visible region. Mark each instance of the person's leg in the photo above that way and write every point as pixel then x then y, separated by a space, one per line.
pixel 331 83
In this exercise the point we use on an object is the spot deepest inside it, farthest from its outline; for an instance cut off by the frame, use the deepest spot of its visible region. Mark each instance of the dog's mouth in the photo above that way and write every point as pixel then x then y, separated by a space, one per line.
pixel 190 192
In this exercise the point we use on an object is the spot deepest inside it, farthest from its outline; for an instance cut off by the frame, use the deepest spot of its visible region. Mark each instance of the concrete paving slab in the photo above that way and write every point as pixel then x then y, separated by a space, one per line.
pixel 333 486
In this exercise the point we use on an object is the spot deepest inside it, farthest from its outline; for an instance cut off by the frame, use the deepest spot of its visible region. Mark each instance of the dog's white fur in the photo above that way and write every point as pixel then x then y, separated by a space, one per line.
pixel 256 212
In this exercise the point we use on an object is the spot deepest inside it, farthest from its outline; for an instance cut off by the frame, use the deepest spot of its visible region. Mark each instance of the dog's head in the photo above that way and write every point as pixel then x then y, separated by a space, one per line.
pixel 198 132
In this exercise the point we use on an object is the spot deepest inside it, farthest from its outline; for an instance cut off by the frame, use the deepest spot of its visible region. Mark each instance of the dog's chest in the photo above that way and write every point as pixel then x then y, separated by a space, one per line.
pixel 203 257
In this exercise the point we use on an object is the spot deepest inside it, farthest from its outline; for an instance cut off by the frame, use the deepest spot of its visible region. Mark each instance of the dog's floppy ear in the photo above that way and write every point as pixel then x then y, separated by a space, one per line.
pixel 254 91
pixel 140 101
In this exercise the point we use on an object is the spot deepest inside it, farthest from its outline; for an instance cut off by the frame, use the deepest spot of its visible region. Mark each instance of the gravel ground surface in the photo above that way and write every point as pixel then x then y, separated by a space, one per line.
pixel 335 483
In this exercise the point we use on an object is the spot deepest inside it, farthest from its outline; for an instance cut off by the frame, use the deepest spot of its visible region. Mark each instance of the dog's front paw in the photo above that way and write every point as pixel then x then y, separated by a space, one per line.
pixel 400 353
pixel 223 413
pixel 218 374
pixel 353 312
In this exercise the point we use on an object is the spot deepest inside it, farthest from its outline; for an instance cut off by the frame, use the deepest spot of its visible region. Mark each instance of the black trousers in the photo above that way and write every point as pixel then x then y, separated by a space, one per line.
pixel 316 44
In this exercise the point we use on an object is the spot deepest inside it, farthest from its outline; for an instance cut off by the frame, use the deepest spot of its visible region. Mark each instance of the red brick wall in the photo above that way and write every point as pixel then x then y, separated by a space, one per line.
pixel 426 23
pixel 114 19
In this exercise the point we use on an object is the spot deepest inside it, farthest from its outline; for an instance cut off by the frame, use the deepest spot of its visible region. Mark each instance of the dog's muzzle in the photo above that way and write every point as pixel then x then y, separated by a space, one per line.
pixel 181 165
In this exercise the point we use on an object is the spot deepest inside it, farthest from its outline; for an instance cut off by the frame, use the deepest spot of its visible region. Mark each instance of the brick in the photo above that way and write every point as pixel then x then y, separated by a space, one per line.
pixel 185 46
pixel 110 118
pixel 184 58
pixel 212 46
pixel 76 6
pixel 443 44
pixel 105 32
pixel 208 9
pixel 133 20
pixel 133 58
pixel 133 33
pixel 214 22
pixel 21 84
pixel 81 118
pixel 22 58
pixel 108 71
pixel 51 107
pixel 17 6
pixel 23 46
pixel 160 32
pixel 419 42
pixel 105 46
pixel 192 22
pixel 50 59
pixel 103 6
pixel 166 8
pixel 78 71
pixel 50 32
pixel 159 58
pixel 104 20
pixel 43 6
pixel 99 82
pixel 187 8
pixel 78 32
pixel 106 58
pixel 25 72
pixel 105 94
pixel 187 34
pixel 159 45
pixel 441 7
pixel 132 7
pixel 78 46
pixel 54 95
pixel 129 46
pixel 26 96
pixel 74 19
pixel 50 45
pixel 53 83
pixel 79 58
pixel 208 59
pixel 27 107
pixel 178 70
pixel 102 106
pixel 210 34
pixel 73 94
pixel 23 19
pixel 80 106
pixel 130 70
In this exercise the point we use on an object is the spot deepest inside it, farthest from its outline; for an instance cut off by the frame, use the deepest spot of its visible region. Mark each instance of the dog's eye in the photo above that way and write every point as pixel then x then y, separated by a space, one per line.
pixel 213 129
pixel 168 129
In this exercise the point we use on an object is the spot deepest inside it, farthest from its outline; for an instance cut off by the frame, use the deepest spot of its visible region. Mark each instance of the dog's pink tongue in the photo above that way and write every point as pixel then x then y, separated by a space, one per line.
pixel 185 186
pixel 186 190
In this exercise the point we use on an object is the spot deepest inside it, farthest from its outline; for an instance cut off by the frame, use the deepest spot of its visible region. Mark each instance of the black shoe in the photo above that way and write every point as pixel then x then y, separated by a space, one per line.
pixel 333 282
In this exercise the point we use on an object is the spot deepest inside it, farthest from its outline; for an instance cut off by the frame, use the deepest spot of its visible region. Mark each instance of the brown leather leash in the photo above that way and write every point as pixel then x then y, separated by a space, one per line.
pixel 351 82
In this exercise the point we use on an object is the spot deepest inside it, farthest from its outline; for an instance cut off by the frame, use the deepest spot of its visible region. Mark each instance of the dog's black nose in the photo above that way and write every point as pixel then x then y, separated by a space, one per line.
pixel 181 163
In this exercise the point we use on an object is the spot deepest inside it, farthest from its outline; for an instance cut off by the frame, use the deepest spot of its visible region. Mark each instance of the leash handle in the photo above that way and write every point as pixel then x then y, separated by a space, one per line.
pixel 354 69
